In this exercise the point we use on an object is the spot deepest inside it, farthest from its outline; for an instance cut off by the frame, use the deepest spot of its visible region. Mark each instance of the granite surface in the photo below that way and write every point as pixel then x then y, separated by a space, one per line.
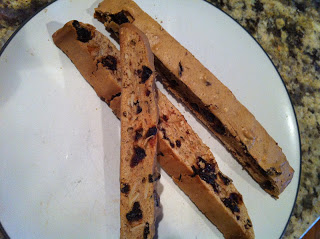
pixel 289 31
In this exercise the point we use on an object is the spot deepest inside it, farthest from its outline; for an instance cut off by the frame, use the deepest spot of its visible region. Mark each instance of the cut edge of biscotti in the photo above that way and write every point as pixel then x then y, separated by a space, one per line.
pixel 219 110
pixel 139 204
pixel 169 150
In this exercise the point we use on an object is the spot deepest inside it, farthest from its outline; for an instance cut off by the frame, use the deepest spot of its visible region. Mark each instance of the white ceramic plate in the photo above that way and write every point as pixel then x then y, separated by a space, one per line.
pixel 59 143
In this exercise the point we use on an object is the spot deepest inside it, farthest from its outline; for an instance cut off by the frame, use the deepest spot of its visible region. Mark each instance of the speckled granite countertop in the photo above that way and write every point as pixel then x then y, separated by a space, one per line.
pixel 289 31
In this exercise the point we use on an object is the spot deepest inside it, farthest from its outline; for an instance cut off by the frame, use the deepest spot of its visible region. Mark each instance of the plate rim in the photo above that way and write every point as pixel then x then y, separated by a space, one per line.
pixel 3 231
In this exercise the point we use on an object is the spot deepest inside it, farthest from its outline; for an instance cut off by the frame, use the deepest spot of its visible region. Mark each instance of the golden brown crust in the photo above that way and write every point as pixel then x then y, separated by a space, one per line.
pixel 139 119
pixel 211 101
pixel 178 153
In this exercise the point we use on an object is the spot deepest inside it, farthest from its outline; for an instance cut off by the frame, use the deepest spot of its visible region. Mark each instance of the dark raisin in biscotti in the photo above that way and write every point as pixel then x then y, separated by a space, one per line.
pixel 211 101
pixel 181 152
pixel 139 138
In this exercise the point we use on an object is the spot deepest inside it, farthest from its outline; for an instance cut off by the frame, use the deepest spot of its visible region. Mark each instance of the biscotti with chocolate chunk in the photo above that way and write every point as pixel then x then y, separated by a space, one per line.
pixel 190 163
pixel 181 153
pixel 90 45
pixel 211 101
pixel 139 138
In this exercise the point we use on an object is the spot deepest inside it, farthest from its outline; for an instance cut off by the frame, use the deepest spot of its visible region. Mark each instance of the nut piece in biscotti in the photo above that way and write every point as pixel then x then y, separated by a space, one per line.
pixel 211 101
pixel 184 156
pixel 139 119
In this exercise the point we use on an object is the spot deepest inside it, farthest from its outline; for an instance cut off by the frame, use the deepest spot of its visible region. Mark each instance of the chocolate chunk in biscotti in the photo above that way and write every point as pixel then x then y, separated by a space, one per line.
pixel 125 188
pixel 151 131
pixel 110 62
pixel 138 156
pixel 84 35
pixel 135 214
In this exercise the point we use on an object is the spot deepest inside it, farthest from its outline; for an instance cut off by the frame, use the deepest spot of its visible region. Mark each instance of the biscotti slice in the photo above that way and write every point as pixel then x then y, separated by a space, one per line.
pixel 179 149
pixel 211 101
pixel 91 44
pixel 139 138
pixel 190 163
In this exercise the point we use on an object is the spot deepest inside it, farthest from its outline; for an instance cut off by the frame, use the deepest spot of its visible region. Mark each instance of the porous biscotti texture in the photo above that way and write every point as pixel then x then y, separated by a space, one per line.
pixel 211 101
pixel 181 152
pixel 139 139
